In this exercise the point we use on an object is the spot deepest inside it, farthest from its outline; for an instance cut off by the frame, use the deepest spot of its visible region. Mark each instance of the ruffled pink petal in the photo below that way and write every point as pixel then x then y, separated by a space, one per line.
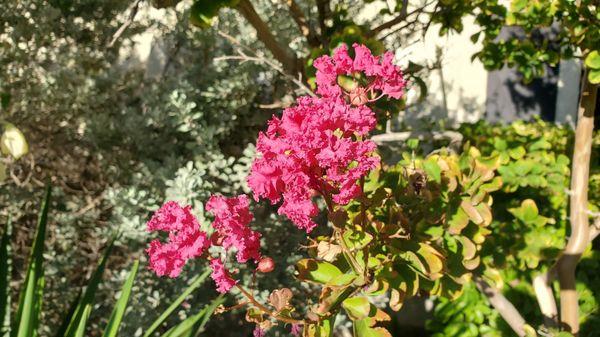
pixel 221 276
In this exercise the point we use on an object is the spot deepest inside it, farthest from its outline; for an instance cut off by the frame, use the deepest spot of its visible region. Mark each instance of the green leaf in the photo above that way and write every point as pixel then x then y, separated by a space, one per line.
pixel 195 323
pixel 527 212
pixel 356 239
pixel 357 307
pixel 80 332
pixel 471 211
pixel 196 282
pixel 594 76
pixel 342 280
pixel 4 100
pixel 593 60
pixel 13 142
pixel 492 186
pixel 468 248
pixel 321 329
pixel 433 260
pixel 202 12
pixel 518 5
pixel 87 300
pixel 347 83
pixel 5 268
pixel 412 143
pixel 26 320
pixel 363 328
pixel 112 328
pixel 458 221
pixel 433 170
pixel 66 319
pixel 317 271
pixel 517 152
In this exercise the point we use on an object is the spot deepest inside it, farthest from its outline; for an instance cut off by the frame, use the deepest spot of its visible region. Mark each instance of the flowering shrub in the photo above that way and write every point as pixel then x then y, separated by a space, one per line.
pixel 400 230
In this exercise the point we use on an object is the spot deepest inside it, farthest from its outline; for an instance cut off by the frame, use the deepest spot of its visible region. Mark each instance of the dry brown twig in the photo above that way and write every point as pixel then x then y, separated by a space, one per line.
pixel 244 57
pixel 132 13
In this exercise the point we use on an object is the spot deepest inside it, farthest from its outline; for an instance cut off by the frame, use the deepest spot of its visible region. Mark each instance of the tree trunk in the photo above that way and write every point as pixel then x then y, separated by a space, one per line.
pixel 580 229
pixel 284 55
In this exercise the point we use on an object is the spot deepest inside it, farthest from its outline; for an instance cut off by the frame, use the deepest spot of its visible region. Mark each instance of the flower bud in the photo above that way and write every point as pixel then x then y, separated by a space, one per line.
pixel 358 96
pixel 266 265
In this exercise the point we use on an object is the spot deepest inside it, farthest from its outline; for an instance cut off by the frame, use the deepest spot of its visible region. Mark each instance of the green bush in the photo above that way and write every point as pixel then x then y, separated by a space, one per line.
pixel 529 228
pixel 24 321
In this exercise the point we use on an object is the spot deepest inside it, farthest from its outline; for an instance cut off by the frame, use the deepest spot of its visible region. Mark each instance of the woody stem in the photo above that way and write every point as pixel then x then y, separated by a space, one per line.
pixel 266 310
pixel 357 268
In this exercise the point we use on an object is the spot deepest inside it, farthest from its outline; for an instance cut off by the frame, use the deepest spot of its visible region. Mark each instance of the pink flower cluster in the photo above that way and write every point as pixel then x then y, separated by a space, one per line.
pixel 314 146
pixel 187 241
pixel 318 145
pixel 381 73
pixel 221 276
pixel 232 217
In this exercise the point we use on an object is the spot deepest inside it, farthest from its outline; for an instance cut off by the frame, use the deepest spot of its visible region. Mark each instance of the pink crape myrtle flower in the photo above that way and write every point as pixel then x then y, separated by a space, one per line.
pixel 382 74
pixel 186 240
pixel 296 329
pixel 258 332
pixel 221 276
pixel 315 146
pixel 232 217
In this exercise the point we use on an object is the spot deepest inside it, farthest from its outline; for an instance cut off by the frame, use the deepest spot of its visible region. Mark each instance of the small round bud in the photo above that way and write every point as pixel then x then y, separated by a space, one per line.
pixel 358 96
pixel 266 265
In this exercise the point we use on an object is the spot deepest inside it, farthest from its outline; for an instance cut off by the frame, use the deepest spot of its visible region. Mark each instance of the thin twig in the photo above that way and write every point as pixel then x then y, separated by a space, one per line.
pixel 302 23
pixel 132 13
pixel 324 12
pixel 281 52
pixel 404 14
pixel 266 310
pixel 454 137
pixel 92 204
pixel 243 57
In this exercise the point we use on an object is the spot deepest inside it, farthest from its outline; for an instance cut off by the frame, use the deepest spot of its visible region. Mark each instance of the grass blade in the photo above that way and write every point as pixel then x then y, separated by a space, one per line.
pixel 26 320
pixel 90 292
pixel 211 309
pixel 68 316
pixel 5 280
pixel 194 324
pixel 117 315
pixel 80 332
pixel 197 282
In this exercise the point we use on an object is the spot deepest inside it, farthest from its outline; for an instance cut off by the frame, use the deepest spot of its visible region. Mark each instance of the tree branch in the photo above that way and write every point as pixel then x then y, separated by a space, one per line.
pixel 455 138
pixel 580 229
pixel 302 23
pixel 290 63
pixel 132 13
pixel 398 19
pixel 506 309
pixel 542 285
pixel 324 10
pixel 243 57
